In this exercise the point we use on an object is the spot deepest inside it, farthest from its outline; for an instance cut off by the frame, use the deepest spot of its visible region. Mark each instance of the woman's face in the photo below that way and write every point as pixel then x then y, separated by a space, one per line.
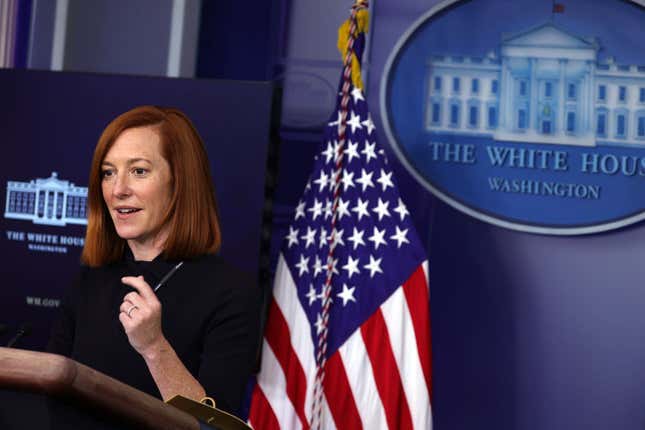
pixel 136 184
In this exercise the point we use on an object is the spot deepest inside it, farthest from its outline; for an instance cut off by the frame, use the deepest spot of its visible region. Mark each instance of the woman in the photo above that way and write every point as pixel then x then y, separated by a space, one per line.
pixel 153 224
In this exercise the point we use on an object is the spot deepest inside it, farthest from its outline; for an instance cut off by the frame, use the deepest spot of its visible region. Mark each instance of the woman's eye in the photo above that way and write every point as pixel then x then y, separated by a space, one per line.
pixel 139 171
pixel 107 173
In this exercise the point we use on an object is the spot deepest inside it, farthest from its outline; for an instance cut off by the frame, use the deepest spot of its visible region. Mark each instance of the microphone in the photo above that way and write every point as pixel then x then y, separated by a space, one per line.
pixel 24 330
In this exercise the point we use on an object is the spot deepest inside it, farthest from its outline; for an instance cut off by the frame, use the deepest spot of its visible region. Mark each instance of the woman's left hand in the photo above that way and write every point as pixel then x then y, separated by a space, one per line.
pixel 141 316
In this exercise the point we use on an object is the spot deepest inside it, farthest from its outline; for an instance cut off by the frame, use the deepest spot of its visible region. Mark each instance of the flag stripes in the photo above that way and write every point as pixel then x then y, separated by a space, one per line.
pixel 417 298
pixel 343 409
pixel 272 382
pixel 386 375
pixel 277 336
pixel 398 320
pixel 264 418
pixel 363 387
pixel 286 300
pixel 360 377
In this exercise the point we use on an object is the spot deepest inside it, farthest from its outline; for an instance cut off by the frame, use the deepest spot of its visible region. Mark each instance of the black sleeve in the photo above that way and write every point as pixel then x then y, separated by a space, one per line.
pixel 61 337
pixel 231 343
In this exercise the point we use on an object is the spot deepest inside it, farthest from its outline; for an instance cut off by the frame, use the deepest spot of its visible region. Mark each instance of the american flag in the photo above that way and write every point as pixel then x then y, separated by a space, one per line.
pixel 377 353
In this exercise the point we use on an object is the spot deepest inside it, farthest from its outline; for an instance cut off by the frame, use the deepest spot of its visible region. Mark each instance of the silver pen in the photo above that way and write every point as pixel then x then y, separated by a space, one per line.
pixel 168 275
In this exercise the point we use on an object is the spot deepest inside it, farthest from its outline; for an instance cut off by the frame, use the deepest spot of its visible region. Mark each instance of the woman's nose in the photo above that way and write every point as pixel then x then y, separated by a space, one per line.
pixel 121 186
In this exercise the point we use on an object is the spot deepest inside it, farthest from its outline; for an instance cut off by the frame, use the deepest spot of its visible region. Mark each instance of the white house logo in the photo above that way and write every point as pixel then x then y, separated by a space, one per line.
pixel 547 97
pixel 49 201
pixel 534 122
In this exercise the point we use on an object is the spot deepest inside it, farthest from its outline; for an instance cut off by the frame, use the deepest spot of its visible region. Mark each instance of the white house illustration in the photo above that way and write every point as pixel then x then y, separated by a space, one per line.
pixel 48 201
pixel 546 86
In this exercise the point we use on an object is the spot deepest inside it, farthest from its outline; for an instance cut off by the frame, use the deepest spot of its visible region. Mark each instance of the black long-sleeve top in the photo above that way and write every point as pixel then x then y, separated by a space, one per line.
pixel 210 316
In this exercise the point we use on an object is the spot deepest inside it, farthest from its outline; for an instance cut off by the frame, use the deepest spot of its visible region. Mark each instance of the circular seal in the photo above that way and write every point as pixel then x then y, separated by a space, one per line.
pixel 527 115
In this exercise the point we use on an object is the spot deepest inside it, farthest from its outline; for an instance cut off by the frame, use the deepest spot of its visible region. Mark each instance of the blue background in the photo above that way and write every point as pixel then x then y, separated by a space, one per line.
pixel 529 331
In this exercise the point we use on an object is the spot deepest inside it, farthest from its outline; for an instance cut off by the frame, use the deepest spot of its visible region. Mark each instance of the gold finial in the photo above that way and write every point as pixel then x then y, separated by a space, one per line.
pixel 362 23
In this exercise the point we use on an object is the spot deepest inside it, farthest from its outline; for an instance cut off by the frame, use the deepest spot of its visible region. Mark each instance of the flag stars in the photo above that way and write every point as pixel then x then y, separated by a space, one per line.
pixel 374 266
pixel 316 209
pixel 366 179
pixel 361 208
pixel 381 209
pixel 328 211
pixel 322 181
pixel 323 237
pixel 342 209
pixel 385 180
pixel 351 267
pixel 369 124
pixel 377 238
pixel 332 266
pixel 354 122
pixel 310 237
pixel 401 210
pixel 292 237
pixel 332 181
pixel 347 294
pixel 352 151
pixel 339 118
pixel 311 294
pixel 369 151
pixel 302 265
pixel 328 152
pixel 336 150
pixel 319 323
pixel 357 238
pixel 300 210
pixel 321 296
pixel 357 94
pixel 348 180
pixel 337 238
pixel 400 237
pixel 318 268
pixel 334 263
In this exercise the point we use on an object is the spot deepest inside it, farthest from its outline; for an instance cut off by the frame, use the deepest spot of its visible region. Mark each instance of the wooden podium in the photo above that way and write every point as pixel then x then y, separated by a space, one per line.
pixel 88 392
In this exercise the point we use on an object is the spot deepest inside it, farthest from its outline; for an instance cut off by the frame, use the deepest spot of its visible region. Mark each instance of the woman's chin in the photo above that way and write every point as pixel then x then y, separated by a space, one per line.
pixel 127 234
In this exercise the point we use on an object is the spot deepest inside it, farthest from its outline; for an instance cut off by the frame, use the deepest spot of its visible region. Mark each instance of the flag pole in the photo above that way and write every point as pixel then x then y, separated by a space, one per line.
pixel 326 304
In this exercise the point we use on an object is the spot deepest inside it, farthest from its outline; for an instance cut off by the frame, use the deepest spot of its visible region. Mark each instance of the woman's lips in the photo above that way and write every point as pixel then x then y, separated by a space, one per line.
pixel 124 213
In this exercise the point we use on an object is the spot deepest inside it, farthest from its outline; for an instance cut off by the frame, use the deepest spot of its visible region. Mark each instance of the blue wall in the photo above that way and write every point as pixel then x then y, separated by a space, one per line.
pixel 237 39
pixel 529 331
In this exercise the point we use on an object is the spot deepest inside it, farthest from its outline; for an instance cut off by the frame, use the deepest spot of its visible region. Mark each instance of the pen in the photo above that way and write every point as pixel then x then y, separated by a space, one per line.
pixel 168 275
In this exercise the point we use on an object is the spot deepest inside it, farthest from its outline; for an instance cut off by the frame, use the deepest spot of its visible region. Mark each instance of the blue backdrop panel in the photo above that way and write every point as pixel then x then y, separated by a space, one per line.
pixel 529 331
pixel 50 124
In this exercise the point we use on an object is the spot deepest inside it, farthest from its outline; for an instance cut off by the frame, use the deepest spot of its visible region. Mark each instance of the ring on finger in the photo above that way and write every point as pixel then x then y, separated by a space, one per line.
pixel 129 311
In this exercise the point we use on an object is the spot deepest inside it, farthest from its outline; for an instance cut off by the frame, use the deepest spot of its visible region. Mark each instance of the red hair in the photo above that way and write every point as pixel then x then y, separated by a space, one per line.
pixel 192 217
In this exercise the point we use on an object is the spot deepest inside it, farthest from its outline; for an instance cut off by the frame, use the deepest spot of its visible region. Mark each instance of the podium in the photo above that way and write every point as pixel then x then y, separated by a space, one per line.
pixel 85 391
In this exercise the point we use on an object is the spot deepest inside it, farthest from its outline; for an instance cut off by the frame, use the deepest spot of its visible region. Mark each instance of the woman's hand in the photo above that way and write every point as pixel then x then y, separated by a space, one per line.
pixel 141 317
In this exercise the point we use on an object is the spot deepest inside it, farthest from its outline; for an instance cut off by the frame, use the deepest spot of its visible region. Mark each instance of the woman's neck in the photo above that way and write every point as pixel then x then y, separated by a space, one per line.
pixel 149 249
pixel 143 253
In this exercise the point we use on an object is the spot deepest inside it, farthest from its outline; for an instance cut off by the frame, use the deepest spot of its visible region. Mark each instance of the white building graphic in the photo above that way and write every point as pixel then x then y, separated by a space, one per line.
pixel 48 201
pixel 547 86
